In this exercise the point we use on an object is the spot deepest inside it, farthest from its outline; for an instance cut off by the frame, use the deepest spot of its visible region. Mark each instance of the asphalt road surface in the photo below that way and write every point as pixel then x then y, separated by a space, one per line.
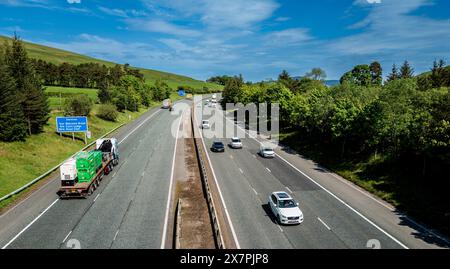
pixel 127 211
pixel 345 217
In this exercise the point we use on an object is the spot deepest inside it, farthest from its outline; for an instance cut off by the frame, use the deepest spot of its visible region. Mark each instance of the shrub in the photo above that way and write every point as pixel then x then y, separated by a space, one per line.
pixel 108 112
pixel 80 105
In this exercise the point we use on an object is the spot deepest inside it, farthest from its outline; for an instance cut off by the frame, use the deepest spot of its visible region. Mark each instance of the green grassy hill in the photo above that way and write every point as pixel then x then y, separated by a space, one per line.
pixel 58 56
pixel 429 72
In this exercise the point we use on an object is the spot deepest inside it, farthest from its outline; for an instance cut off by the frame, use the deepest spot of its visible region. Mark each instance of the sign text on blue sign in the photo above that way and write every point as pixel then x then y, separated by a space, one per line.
pixel 71 124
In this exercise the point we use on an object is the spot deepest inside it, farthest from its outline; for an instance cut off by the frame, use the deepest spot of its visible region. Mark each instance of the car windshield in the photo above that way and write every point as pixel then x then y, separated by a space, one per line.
pixel 287 204
pixel 218 144
pixel 268 150
pixel 236 140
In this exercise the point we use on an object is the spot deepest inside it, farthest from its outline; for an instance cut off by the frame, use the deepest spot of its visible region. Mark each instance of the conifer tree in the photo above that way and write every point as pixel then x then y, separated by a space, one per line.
pixel 394 75
pixel 30 92
pixel 406 71
pixel 12 121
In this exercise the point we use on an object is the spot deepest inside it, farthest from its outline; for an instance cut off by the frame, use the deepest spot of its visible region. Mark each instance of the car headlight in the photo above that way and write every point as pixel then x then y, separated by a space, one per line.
pixel 283 217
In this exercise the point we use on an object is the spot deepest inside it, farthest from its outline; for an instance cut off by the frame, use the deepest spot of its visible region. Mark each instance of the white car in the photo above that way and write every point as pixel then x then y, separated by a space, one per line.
pixel 235 143
pixel 205 124
pixel 266 152
pixel 285 209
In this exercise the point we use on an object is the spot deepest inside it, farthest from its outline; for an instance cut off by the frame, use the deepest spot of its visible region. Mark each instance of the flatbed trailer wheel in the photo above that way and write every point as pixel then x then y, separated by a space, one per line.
pixel 91 190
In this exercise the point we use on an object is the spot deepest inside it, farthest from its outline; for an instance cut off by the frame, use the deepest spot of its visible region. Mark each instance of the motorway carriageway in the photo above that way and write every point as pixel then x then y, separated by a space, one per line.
pixel 246 180
pixel 128 210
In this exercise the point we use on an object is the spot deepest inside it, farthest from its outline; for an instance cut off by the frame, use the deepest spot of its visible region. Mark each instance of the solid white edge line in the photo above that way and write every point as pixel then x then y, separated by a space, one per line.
pixel 26 199
pixel 333 195
pixel 169 195
pixel 96 197
pixel 31 223
pixel 67 236
pixel 115 236
pixel 218 188
pixel 360 191
pixel 347 205
pixel 324 224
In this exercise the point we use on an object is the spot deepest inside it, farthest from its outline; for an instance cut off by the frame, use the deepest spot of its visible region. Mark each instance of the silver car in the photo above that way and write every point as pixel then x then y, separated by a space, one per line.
pixel 266 152
pixel 235 143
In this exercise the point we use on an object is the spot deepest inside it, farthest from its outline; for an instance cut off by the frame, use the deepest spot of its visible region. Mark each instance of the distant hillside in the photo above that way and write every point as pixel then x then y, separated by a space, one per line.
pixel 330 83
pixel 58 56
pixel 429 72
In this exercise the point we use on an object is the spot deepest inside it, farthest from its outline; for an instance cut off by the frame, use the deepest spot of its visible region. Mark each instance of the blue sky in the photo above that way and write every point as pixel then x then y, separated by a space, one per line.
pixel 257 38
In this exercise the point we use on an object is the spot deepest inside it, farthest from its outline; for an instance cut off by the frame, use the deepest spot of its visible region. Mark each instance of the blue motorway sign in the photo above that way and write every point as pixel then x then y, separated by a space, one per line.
pixel 71 124
pixel 181 92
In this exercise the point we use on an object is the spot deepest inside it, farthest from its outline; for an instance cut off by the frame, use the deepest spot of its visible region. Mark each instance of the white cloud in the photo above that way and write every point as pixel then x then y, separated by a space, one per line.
pixel 288 37
pixel 390 27
pixel 236 13
pixel 218 13
pixel 110 49
pixel 124 13
pixel 74 1
pixel 161 26
pixel 26 3
pixel 282 19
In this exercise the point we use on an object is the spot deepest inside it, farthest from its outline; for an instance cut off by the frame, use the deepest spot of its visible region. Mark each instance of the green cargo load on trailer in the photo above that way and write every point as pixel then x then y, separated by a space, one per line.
pixel 85 175
pixel 98 156
pixel 87 165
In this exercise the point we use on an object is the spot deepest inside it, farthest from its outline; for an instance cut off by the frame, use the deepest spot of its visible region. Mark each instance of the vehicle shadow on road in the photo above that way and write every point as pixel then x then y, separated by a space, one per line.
pixel 269 213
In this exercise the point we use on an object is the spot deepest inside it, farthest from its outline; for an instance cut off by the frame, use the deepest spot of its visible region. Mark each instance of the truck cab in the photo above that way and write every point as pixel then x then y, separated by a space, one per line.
pixel 107 146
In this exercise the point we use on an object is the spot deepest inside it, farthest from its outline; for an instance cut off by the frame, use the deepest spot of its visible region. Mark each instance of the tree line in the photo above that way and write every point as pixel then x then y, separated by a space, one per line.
pixel 85 75
pixel 362 116
pixel 130 93
pixel 24 107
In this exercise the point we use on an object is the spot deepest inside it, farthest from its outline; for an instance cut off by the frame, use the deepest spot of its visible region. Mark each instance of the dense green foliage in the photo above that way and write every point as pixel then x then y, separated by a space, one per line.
pixel 364 75
pixel 160 91
pixel 405 124
pixel 80 105
pixel 107 112
pixel 12 124
pixel 86 75
pixel 23 100
pixel 220 80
